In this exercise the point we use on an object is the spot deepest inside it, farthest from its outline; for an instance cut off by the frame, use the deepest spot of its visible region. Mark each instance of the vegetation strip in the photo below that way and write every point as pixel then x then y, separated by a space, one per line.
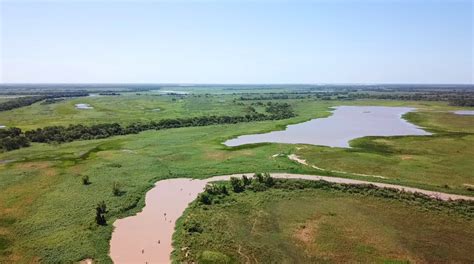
pixel 432 194
pixel 14 138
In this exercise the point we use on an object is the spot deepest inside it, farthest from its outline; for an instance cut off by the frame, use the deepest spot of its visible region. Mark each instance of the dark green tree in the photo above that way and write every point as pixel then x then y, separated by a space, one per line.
pixel 100 212
pixel 237 185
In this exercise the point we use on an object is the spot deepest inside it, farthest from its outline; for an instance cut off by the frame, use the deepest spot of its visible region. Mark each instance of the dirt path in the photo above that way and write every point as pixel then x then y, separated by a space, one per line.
pixel 147 236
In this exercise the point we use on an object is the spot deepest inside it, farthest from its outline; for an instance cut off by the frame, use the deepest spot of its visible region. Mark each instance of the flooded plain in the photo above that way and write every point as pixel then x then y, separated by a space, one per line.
pixel 147 236
pixel 346 123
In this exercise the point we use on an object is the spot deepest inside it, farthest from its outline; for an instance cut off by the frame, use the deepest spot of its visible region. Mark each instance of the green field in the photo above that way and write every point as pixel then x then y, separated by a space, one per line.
pixel 47 215
pixel 320 226
pixel 123 109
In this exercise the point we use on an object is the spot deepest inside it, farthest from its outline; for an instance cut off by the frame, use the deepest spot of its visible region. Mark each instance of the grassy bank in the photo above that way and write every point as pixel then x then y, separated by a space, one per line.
pixel 321 225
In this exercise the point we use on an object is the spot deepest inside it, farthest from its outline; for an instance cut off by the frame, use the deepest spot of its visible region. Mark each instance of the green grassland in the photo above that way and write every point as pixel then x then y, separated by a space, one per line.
pixel 47 215
pixel 320 226
pixel 124 109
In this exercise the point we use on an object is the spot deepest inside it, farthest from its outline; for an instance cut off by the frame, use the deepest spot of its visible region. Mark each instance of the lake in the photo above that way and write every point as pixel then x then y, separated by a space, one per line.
pixel 346 123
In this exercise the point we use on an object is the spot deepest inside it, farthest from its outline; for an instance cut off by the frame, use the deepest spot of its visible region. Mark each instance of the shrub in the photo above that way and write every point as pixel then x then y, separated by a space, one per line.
pixel 268 180
pixel 192 226
pixel 85 180
pixel 237 185
pixel 257 186
pixel 205 198
pixel 247 181
pixel 100 212
pixel 116 189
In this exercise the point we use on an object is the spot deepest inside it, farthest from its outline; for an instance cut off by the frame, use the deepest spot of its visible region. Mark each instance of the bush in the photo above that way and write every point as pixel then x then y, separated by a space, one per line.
pixel 247 181
pixel 192 226
pixel 205 198
pixel 116 189
pixel 100 212
pixel 257 186
pixel 237 185
pixel 85 180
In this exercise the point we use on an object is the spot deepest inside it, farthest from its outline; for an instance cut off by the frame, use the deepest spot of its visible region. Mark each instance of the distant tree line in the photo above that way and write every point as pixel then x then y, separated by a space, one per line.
pixel 14 138
pixel 455 98
pixel 29 100
pixel 52 101
pixel 462 102
pixel 109 93
pixel 272 97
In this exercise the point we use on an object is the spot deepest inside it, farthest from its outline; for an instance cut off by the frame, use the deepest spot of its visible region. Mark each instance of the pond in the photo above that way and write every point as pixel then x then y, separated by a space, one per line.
pixel 346 123
pixel 464 112
pixel 172 92
pixel 83 106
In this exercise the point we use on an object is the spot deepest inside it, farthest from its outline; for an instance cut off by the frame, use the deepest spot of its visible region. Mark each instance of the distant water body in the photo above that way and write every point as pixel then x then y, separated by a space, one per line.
pixel 346 123
pixel 464 112
pixel 83 106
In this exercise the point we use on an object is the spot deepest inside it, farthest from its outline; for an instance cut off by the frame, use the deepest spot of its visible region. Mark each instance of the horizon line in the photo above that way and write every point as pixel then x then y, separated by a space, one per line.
pixel 198 84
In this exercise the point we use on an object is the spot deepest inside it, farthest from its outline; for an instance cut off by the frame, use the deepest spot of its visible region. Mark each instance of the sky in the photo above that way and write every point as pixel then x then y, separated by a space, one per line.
pixel 405 41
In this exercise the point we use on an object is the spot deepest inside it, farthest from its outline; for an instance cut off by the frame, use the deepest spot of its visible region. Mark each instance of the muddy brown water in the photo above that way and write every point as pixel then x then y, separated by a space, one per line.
pixel 146 237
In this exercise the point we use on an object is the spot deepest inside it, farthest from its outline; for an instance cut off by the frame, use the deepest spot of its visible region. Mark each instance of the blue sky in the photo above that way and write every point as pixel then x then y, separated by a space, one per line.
pixel 237 41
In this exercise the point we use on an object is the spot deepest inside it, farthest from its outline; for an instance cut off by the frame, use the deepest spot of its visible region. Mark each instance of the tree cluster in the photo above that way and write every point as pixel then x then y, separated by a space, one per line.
pixel 12 138
pixel 259 182
pixel 215 193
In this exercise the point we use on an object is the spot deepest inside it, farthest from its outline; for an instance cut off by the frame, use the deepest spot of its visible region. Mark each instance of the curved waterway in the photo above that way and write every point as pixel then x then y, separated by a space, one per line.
pixel 346 123
pixel 146 237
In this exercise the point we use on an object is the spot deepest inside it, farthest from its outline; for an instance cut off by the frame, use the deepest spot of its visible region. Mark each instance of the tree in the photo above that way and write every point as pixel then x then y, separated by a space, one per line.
pixel 85 180
pixel 259 177
pixel 237 185
pixel 224 190
pixel 205 198
pixel 268 180
pixel 246 180
pixel 100 212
